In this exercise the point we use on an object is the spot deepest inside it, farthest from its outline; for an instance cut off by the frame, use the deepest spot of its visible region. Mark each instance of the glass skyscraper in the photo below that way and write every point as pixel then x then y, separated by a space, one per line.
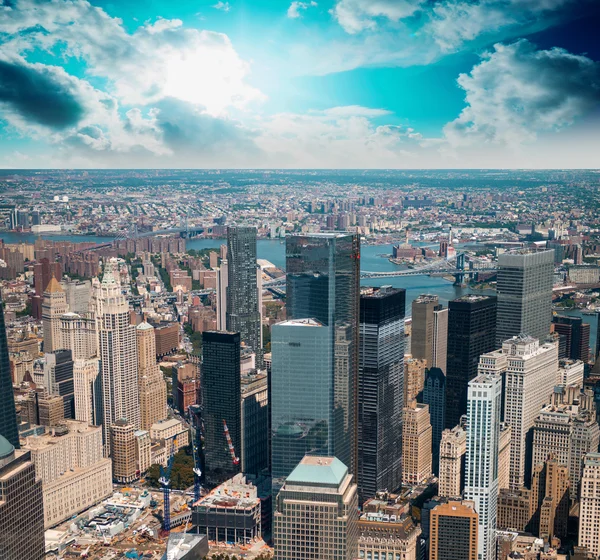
pixel 380 390
pixel 243 309
pixel 323 283
pixel 524 290
pixel 8 415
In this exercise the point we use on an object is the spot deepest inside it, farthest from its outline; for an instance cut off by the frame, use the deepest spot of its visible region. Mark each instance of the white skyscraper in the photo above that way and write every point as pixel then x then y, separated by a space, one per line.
pixel 530 377
pixel 440 338
pixel 481 483
pixel 118 355
pixel 222 282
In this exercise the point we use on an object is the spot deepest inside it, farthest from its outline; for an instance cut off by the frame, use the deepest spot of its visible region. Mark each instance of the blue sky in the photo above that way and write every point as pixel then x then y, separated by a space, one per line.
pixel 300 84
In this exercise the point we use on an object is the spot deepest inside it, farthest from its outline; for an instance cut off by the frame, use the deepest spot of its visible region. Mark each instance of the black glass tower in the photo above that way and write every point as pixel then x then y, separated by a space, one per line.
pixel 434 394
pixel 243 311
pixel 323 282
pixel 8 415
pixel 61 363
pixel 380 390
pixel 221 400
pixel 471 332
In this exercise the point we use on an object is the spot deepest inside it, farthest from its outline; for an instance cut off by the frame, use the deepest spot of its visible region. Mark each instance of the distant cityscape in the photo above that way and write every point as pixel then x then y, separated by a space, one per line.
pixel 300 365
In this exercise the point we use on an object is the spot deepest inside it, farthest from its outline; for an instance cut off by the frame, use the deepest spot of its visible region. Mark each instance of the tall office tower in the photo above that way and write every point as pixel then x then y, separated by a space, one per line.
pixel 440 338
pixel 550 500
pixel 301 395
pixel 118 355
pixel 254 454
pixel 416 444
pixel 453 449
pixel 51 410
pixel 471 333
pixel 78 334
pixel 421 344
pixel 514 509
pixel 567 430
pixel 243 311
pixel 221 386
pixel 21 506
pixel 53 306
pixel 59 365
pixel 323 275
pixel 8 414
pixel 123 451
pixel 380 390
pixel 152 385
pixel 504 456
pixel 87 388
pixel 453 531
pixel 434 394
pixel 222 280
pixel 78 294
pixel 414 378
pixel 481 480
pixel 570 372
pixel 589 507
pixel 316 512
pixel 524 291
pixel 576 334
pixel 530 377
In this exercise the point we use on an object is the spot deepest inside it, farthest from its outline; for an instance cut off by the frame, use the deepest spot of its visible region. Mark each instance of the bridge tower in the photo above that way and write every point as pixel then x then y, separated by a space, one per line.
pixel 459 278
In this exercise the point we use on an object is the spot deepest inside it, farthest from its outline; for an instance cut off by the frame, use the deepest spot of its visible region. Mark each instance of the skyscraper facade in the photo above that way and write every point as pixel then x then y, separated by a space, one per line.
pixel 589 509
pixel 53 306
pixel 577 337
pixel 60 373
pixel 453 448
pixel 524 290
pixel 471 332
pixel 323 277
pixel 221 398
pixel 453 532
pixel 8 415
pixel 421 345
pixel 440 338
pixel 118 355
pixel 481 481
pixel 434 395
pixel 416 444
pixel 243 311
pixel 380 389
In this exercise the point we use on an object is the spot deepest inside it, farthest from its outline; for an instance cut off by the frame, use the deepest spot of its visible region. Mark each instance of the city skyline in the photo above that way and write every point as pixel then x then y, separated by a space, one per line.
pixel 299 84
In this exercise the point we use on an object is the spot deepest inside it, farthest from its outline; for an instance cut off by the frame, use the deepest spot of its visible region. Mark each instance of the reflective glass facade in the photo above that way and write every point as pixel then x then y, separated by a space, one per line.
pixel 323 283
pixel 8 416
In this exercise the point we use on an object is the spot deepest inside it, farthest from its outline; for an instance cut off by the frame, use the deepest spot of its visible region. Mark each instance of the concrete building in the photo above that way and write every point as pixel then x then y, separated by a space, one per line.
pixel 530 377
pixel 589 508
pixel 316 512
pixel 117 353
pixel 483 434
pixel 186 386
pixel 88 391
pixel 78 334
pixel 382 536
pixel 453 448
pixel 21 506
pixel 566 429
pixel 440 338
pixel 514 509
pixel 51 410
pixel 414 378
pixel 550 500
pixel 570 372
pixel 171 430
pixel 77 293
pixel 504 455
pixel 123 451
pixel 380 389
pixel 152 385
pixel 416 444
pixel 422 335
pixel 166 338
pixel 524 291
pixel 143 450
pixel 53 306
pixel 231 513
pixel 74 473
pixel 453 531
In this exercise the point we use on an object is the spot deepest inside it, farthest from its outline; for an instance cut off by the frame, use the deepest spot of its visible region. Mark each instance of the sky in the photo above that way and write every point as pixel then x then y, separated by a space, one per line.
pixel 353 84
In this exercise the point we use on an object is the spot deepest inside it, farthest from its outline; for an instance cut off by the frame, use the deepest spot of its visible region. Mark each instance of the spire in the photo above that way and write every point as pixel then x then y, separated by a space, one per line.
pixel 53 286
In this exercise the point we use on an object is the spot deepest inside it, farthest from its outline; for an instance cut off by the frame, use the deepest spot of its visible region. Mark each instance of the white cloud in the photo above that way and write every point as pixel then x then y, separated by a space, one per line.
pixel 295 7
pixel 518 91
pixel 358 15
pixel 224 6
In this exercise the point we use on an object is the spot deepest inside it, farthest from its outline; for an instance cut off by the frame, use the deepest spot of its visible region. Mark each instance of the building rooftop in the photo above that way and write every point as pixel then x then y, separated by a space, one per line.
pixel 301 323
pixel 53 286
pixel 6 448
pixel 144 326
pixel 318 470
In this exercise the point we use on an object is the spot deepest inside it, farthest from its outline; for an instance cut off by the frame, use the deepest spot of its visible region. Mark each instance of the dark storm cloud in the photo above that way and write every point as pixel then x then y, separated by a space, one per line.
pixel 39 95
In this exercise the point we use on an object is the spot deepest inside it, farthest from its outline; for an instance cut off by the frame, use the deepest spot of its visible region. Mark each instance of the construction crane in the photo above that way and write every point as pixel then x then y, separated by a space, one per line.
pixel 234 459
pixel 165 483
pixel 197 447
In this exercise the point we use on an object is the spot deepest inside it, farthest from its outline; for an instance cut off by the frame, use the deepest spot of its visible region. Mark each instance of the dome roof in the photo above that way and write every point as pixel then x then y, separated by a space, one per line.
pixel 6 448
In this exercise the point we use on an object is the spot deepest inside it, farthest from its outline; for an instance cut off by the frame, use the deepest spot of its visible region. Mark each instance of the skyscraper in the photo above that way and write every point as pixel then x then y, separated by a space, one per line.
pixel 8 415
pixel 524 291
pixel 416 444
pixel 243 311
pixel 471 332
pixel 301 395
pixel 453 532
pixel 589 509
pixel 221 398
pixel 152 385
pixel 222 281
pixel 421 345
pixel 60 373
pixel 21 506
pixel 53 306
pixel 530 378
pixel 118 355
pixel 453 448
pixel 434 394
pixel 550 500
pixel 576 334
pixel 380 390
pixel 481 481
pixel 440 338
pixel 323 276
